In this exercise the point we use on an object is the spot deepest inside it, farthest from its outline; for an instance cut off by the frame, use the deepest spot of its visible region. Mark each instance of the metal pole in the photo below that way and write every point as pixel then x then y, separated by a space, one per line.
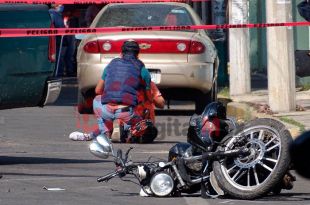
pixel 59 54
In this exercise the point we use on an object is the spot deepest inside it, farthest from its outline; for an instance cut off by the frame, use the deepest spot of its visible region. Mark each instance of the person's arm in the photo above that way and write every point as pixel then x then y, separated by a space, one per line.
pixel 100 85
pixel 146 77
pixel 158 99
pixel 159 102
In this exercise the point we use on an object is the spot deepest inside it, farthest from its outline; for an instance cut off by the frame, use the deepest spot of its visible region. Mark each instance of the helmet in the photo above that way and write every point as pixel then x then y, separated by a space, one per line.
pixel 208 127
pixel 214 123
pixel 215 110
pixel 130 46
pixel 143 132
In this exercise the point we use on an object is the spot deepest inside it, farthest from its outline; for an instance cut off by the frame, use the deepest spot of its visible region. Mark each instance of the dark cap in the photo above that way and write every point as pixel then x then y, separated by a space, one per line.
pixel 130 46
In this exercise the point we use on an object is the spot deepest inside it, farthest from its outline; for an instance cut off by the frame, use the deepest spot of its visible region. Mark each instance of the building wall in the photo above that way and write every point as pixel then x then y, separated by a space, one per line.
pixel 302 44
pixel 258 46
pixel 258 52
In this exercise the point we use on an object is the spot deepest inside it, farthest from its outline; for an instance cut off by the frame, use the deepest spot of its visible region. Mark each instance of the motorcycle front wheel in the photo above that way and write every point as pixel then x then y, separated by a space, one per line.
pixel 254 175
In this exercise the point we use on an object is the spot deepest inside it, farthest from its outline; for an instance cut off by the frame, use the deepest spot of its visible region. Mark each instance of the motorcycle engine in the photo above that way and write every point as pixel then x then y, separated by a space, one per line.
pixel 185 150
pixel 195 166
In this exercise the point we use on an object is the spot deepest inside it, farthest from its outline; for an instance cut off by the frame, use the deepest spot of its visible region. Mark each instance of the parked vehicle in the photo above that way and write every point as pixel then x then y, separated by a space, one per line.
pixel 242 161
pixel 27 64
pixel 183 63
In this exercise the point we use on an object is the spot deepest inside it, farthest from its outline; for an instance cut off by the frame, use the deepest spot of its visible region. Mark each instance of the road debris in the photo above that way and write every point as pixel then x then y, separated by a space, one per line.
pixel 53 189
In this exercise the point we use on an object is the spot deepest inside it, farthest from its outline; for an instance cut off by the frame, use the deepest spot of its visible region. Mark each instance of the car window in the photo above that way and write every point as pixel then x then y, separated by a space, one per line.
pixel 145 15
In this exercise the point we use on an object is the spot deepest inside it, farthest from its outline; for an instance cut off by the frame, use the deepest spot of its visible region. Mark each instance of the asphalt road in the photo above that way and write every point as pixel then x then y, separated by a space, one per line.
pixel 35 152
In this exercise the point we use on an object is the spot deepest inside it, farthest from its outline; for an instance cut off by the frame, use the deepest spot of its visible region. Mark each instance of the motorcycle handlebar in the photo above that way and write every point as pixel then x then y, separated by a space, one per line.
pixel 122 171
pixel 107 177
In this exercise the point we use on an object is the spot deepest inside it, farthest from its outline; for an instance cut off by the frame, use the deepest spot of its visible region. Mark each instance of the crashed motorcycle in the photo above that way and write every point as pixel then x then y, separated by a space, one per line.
pixel 220 157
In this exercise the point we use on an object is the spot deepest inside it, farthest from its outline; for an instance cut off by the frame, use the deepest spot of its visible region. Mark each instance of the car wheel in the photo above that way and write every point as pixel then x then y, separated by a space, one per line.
pixel 84 105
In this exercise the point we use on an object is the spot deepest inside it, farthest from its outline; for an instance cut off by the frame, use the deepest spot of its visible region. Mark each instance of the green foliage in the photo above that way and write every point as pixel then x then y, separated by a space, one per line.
pixel 293 122
pixel 224 92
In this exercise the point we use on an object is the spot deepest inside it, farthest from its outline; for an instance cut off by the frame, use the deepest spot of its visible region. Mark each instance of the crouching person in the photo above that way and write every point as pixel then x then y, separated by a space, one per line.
pixel 117 92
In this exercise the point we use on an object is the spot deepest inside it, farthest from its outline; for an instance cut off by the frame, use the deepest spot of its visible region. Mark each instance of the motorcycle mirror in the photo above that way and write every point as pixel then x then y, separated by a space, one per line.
pixel 105 142
pixel 119 154
pixel 97 150
pixel 127 153
pixel 119 157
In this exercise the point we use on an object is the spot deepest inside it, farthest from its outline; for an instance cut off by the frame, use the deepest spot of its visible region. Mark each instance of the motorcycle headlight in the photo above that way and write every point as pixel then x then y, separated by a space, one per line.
pixel 162 184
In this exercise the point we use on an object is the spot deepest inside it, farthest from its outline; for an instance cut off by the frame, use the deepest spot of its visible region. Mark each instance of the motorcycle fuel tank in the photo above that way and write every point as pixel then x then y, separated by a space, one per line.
pixel 178 150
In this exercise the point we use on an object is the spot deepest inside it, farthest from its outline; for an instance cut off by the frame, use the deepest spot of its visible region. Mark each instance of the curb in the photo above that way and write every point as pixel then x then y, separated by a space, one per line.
pixel 244 112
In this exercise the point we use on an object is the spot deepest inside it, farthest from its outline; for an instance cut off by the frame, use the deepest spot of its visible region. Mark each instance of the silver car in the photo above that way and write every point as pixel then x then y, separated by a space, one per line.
pixel 183 63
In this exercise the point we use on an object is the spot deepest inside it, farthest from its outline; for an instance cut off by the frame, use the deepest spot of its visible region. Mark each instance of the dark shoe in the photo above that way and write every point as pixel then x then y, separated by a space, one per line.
pixel 288 180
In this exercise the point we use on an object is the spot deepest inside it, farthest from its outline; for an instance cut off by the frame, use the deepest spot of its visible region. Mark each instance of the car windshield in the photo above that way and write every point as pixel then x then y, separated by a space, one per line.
pixel 133 15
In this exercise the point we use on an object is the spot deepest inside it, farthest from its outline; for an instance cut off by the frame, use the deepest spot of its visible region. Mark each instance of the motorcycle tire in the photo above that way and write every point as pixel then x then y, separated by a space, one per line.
pixel 255 175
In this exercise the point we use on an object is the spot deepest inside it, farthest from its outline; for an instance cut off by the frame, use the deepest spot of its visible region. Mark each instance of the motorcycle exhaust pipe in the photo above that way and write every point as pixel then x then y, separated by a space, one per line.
pixel 174 167
pixel 224 154
pixel 219 155
pixel 197 181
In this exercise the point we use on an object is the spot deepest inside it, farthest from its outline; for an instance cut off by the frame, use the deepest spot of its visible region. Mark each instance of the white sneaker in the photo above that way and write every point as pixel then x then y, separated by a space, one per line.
pixel 116 135
pixel 80 136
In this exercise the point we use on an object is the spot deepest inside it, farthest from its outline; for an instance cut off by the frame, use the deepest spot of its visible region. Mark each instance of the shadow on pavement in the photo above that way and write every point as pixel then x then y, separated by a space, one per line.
pixel 67 97
pixel 164 142
pixel 124 194
pixel 45 175
pixel 287 197
pixel 279 197
pixel 9 160
pixel 174 112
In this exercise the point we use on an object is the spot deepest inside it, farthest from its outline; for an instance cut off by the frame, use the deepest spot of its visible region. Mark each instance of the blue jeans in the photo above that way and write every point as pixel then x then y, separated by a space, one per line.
pixel 106 114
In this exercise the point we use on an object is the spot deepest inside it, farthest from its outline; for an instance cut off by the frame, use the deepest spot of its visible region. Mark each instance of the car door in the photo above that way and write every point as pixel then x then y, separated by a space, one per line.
pixel 24 64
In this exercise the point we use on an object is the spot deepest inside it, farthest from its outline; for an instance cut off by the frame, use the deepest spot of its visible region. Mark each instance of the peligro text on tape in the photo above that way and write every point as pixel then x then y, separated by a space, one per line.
pixel 90 1
pixel 71 31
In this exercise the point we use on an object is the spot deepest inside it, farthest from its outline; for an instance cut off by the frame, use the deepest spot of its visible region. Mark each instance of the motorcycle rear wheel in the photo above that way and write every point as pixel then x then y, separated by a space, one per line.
pixel 255 175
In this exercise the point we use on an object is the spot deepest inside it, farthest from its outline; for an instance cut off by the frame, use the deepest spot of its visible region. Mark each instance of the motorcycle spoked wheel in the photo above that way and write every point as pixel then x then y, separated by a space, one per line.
pixel 255 175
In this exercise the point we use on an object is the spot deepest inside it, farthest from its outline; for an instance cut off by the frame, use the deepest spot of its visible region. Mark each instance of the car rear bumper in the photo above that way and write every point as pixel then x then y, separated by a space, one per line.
pixel 197 76
pixel 53 88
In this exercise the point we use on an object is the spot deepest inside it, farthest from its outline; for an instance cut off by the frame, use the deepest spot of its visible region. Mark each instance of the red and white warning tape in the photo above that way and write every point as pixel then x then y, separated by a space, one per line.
pixel 29 32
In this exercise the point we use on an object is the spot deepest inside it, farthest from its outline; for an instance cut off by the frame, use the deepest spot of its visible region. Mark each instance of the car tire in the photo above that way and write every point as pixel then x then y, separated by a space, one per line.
pixel 84 106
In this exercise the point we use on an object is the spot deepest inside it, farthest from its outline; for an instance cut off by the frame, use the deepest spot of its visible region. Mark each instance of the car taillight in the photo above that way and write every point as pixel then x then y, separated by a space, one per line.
pixel 92 47
pixel 196 47
pixel 156 46
pixel 52 47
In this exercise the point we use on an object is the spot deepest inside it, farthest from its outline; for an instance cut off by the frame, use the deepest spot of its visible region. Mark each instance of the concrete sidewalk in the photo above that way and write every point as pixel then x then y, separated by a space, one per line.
pixel 255 104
